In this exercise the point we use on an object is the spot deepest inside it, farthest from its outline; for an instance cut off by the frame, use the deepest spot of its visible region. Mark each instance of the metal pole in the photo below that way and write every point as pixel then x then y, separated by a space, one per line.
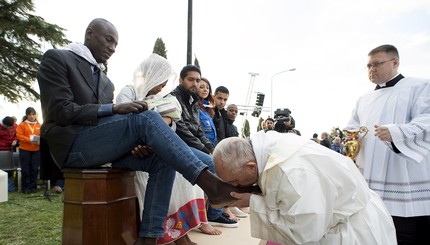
pixel 190 32
pixel 271 89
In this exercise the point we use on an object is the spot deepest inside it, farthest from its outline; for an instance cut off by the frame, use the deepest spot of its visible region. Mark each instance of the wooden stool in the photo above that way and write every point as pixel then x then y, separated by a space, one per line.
pixel 99 207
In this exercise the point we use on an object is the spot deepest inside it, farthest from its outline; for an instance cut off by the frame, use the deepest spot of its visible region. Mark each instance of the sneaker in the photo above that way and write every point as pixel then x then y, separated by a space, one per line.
pixel 238 213
pixel 224 221
pixel 58 189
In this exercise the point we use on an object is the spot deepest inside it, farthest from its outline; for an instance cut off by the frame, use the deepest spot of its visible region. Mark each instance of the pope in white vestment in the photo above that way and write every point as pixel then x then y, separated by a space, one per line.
pixel 310 194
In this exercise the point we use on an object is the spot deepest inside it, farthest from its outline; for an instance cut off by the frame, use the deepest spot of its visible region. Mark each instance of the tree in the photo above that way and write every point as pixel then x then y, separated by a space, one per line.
pixel 259 127
pixel 196 61
pixel 160 48
pixel 246 129
pixel 21 37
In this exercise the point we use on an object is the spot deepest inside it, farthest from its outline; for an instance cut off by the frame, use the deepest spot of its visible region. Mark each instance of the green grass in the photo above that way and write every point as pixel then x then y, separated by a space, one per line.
pixel 31 219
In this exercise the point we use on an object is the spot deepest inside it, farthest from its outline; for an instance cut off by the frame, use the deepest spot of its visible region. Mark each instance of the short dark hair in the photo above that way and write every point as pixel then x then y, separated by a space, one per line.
pixel 8 121
pixel 386 48
pixel 187 69
pixel 315 135
pixel 270 119
pixel 222 89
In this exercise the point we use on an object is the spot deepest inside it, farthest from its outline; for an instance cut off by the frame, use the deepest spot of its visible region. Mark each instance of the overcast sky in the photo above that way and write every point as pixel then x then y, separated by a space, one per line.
pixel 327 41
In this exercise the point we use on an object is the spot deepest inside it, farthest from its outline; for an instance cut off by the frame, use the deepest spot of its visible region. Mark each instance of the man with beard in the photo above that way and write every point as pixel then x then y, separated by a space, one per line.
pixel 190 130
pixel 270 123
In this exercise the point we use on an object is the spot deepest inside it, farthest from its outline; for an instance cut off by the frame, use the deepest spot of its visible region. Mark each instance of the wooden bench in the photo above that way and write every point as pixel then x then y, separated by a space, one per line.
pixel 100 207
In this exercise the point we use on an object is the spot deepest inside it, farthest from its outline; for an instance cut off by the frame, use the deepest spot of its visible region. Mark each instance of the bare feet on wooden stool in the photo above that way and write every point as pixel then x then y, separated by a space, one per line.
pixel 145 241
pixel 209 229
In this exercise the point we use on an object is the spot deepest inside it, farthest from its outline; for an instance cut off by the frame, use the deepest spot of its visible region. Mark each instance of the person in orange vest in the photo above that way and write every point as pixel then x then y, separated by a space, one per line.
pixel 28 134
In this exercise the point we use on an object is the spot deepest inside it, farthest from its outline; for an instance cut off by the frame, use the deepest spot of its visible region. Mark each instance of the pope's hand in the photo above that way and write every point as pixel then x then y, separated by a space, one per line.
pixel 242 199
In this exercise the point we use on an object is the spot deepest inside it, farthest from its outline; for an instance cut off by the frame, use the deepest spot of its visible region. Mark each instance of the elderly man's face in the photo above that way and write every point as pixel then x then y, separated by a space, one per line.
pixel 246 176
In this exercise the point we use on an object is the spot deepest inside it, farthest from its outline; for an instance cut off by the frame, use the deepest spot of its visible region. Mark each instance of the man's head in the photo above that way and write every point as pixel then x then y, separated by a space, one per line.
pixel 235 162
pixel 232 112
pixel 221 97
pixel 383 63
pixel 101 38
pixel 8 122
pixel 337 140
pixel 270 123
pixel 190 78
pixel 324 135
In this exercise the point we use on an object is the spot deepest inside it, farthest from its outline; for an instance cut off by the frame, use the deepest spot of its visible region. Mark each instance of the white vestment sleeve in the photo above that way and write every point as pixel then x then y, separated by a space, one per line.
pixel 296 209
pixel 413 138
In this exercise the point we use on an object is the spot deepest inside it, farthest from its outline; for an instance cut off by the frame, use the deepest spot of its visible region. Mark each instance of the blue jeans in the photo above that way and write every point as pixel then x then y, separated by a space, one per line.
pixel 113 139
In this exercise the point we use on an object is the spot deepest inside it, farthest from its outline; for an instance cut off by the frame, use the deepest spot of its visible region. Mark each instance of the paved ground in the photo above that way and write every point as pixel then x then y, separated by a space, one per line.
pixel 233 236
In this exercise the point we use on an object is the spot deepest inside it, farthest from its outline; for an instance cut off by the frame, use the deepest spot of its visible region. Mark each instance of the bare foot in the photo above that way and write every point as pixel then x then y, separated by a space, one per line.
pixel 185 240
pixel 209 230
pixel 245 209
pixel 231 215
pixel 189 240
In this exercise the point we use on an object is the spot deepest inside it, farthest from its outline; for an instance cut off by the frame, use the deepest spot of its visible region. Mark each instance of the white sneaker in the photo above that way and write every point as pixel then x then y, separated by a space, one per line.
pixel 238 213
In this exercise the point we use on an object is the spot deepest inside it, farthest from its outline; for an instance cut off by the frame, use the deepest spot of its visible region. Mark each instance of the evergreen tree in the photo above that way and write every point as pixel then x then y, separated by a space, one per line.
pixel 160 48
pixel 21 37
pixel 196 61
pixel 259 124
pixel 246 130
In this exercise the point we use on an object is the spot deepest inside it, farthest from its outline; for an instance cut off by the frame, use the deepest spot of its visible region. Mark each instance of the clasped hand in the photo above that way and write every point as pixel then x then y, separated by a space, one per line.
pixel 383 133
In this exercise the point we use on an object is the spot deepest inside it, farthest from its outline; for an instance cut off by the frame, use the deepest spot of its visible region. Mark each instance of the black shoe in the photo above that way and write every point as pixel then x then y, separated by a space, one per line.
pixel 224 221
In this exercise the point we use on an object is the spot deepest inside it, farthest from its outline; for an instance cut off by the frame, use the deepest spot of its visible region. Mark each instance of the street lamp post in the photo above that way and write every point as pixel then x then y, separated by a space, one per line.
pixel 271 89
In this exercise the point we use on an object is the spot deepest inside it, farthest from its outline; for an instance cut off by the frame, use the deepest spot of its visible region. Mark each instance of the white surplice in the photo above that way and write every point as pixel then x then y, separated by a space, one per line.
pixel 313 195
pixel 402 180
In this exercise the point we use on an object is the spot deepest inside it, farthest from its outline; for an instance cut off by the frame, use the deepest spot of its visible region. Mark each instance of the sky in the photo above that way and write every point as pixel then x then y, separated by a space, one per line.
pixel 326 41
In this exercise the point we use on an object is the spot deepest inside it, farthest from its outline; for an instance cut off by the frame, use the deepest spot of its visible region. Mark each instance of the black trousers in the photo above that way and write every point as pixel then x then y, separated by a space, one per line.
pixel 412 230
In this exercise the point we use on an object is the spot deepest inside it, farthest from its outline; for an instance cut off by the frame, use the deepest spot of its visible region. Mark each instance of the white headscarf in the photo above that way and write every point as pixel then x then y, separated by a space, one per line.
pixel 152 72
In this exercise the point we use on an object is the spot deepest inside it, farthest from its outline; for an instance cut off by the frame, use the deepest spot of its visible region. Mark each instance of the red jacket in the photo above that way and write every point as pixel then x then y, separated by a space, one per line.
pixel 7 136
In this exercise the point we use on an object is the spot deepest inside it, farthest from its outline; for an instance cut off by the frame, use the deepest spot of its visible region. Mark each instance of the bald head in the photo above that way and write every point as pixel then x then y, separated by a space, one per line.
pixel 234 161
pixel 101 38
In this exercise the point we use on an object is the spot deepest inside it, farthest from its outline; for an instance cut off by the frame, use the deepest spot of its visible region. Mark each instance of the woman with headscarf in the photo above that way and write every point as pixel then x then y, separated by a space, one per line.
pixel 187 205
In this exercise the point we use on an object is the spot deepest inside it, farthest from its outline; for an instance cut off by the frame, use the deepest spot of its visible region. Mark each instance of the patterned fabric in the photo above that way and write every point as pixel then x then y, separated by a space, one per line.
pixel 187 209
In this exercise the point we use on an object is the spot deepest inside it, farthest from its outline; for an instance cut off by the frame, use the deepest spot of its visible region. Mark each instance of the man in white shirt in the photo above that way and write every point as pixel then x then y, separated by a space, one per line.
pixel 310 194
pixel 395 154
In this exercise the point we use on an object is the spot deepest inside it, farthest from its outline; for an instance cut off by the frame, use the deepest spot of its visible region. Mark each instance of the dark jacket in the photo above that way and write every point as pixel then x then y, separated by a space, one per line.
pixel 231 129
pixel 69 99
pixel 220 121
pixel 189 128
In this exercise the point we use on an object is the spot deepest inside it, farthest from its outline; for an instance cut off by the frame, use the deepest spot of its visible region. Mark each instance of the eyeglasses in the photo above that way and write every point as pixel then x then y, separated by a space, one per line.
pixel 378 64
